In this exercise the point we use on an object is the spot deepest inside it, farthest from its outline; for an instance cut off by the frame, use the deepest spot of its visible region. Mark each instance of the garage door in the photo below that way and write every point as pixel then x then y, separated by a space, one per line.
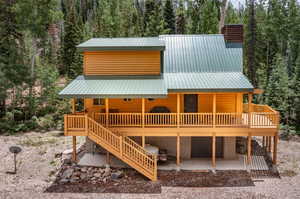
pixel 202 147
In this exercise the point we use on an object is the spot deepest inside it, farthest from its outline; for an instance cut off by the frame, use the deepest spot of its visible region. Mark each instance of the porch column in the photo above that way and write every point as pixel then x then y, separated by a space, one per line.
pixel 263 141
pixel 214 150
pixel 178 150
pixel 74 154
pixel 270 144
pixel 249 149
pixel 214 109
pixel 107 111
pixel 143 121
pixel 73 101
pixel 250 97
pixel 275 148
pixel 178 110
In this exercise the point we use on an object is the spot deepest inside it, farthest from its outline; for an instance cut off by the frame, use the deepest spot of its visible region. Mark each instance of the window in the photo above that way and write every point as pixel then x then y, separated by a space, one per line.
pixel 79 105
pixel 127 99
pixel 151 99
pixel 99 102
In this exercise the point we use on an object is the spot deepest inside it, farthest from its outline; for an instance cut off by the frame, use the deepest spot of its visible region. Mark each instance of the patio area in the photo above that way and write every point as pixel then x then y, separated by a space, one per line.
pixel 199 164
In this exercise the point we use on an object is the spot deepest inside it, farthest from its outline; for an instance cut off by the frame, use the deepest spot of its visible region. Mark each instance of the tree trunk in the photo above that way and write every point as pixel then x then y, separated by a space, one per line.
pixel 223 9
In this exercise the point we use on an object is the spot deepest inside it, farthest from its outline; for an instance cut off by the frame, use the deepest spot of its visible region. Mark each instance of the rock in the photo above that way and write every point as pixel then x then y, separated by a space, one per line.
pixel 67 161
pixel 117 174
pixel 64 180
pixel 107 172
pixel 104 180
pixel 74 179
pixel 97 175
pixel 57 155
pixel 68 151
pixel 83 169
pixel 83 176
pixel 67 173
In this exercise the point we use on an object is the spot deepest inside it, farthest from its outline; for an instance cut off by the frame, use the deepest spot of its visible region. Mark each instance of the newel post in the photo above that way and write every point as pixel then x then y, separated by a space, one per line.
pixel 121 145
pixel 66 124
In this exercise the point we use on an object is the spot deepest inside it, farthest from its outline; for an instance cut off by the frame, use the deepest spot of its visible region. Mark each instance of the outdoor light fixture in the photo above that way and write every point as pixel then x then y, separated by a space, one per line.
pixel 15 150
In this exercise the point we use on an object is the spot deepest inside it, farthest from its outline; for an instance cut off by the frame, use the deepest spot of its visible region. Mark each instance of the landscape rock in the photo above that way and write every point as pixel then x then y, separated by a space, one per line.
pixel 83 169
pixel 117 174
pixel 97 175
pixel 107 172
pixel 67 173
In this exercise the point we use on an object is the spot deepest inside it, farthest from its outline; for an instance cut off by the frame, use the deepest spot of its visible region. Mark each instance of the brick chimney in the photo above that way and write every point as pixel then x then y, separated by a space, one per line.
pixel 233 33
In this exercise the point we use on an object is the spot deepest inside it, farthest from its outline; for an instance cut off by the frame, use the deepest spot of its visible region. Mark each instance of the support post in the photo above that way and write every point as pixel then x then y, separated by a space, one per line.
pixel 86 124
pixel 214 151
pixel 107 111
pixel 178 110
pixel 74 154
pixel 214 109
pixel 178 150
pixel 143 121
pixel 107 158
pixel 250 97
pixel 275 149
pixel 263 141
pixel 66 124
pixel 270 144
pixel 73 105
pixel 249 149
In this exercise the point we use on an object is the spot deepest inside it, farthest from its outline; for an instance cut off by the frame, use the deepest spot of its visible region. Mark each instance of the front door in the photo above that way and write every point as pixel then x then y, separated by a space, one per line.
pixel 190 103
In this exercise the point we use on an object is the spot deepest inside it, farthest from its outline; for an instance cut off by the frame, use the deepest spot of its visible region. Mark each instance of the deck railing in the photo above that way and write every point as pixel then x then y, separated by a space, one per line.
pixel 260 116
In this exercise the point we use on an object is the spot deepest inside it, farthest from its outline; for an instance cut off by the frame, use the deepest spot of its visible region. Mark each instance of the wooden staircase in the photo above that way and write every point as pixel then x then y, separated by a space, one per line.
pixel 124 148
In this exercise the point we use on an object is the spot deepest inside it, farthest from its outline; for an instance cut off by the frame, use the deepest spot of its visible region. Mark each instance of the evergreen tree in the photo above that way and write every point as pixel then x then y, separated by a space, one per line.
pixel 180 19
pixel 169 17
pixel 155 26
pixel 277 92
pixel 71 59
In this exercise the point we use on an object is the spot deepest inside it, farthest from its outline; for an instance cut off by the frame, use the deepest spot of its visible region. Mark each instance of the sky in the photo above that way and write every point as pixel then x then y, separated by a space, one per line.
pixel 236 2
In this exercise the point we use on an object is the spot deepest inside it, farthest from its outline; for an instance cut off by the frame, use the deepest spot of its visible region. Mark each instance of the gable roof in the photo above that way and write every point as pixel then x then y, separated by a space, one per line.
pixel 134 43
pixel 200 53
pixel 195 63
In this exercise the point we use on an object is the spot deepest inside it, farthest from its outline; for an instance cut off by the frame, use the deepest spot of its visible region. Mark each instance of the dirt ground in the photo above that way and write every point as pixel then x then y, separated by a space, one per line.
pixel 38 163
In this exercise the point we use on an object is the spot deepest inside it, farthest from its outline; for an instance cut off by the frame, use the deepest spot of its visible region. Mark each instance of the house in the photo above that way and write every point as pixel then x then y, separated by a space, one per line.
pixel 182 93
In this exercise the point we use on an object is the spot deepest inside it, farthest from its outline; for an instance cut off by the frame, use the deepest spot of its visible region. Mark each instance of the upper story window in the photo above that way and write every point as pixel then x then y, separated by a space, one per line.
pixel 126 99
pixel 99 101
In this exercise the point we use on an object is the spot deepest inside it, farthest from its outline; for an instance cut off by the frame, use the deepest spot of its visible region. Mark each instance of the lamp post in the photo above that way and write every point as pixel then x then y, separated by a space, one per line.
pixel 15 150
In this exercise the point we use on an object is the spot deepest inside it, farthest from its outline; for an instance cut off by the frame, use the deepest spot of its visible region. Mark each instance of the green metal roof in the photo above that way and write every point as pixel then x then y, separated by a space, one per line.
pixel 200 53
pixel 207 82
pixel 115 87
pixel 133 43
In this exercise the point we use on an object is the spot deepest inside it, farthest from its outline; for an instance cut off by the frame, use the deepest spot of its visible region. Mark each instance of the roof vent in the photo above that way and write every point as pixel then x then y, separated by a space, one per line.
pixel 233 33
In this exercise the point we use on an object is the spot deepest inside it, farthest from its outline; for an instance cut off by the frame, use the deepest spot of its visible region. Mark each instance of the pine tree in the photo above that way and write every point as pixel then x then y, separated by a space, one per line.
pixel 71 59
pixel 169 17
pixel 277 92
pixel 149 10
pixel 180 19
pixel 296 93
pixel 155 26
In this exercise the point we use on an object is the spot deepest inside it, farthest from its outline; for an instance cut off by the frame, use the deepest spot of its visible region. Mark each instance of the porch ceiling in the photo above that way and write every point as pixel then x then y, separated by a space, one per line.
pixel 115 87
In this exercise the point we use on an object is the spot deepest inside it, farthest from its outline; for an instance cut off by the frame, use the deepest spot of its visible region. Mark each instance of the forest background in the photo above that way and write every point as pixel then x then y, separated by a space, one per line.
pixel 38 54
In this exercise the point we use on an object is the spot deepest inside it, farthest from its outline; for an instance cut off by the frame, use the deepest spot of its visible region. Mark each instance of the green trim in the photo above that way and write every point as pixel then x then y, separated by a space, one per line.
pixel 112 96
pixel 118 48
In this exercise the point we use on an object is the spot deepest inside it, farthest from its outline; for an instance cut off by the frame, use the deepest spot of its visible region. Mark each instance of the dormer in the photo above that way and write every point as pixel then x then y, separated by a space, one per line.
pixel 122 56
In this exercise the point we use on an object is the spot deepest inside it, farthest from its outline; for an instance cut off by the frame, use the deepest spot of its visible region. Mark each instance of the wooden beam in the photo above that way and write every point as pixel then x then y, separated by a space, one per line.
pixel 214 150
pixel 178 150
pixel 143 112
pixel 73 101
pixel 107 111
pixel 74 154
pixel 143 141
pixel 275 149
pixel 258 91
pixel 249 108
pixel 214 109
pixel 178 110
pixel 249 149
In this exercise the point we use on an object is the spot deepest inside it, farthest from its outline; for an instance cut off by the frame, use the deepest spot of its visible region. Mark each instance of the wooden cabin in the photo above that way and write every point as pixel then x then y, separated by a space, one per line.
pixel 183 93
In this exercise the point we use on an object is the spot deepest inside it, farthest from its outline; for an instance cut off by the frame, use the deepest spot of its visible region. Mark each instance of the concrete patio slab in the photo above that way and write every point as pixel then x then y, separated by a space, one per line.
pixel 258 163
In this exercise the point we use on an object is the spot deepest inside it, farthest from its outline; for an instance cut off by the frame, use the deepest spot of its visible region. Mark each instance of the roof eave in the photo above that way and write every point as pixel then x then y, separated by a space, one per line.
pixel 118 48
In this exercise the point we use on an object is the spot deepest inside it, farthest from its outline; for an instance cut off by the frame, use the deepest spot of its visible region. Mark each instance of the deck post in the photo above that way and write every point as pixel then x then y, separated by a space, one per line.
pixel 275 148
pixel 178 110
pixel 214 109
pixel 250 97
pixel 107 111
pixel 214 151
pixel 178 150
pixel 143 121
pixel 270 144
pixel 263 141
pixel 73 105
pixel 143 141
pixel 107 158
pixel 249 149
pixel 74 154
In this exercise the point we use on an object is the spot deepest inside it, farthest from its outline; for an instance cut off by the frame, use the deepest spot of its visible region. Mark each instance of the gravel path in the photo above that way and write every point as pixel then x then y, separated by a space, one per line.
pixel 37 165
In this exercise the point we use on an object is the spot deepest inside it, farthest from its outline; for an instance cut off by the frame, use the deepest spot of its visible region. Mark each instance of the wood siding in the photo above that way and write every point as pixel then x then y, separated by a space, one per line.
pixel 122 63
